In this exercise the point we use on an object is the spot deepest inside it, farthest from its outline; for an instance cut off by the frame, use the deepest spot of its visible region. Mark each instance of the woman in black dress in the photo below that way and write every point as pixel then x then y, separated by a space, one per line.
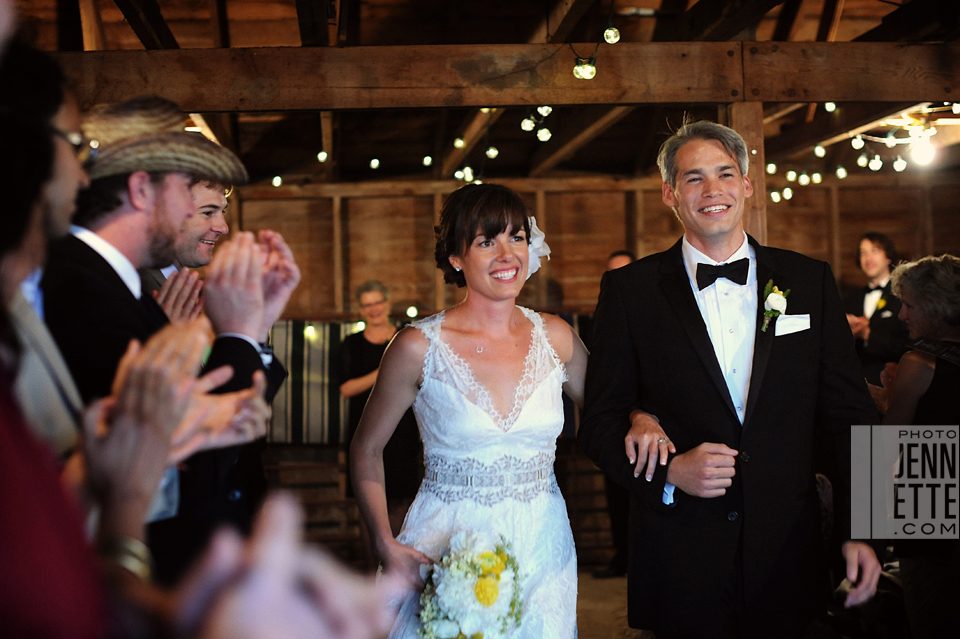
pixel 360 356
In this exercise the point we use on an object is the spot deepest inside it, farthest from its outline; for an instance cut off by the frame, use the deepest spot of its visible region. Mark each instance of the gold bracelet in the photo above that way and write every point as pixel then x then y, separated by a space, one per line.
pixel 128 553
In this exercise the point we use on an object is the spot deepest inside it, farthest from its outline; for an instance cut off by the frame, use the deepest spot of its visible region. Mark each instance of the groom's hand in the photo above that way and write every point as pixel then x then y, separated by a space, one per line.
pixel 705 471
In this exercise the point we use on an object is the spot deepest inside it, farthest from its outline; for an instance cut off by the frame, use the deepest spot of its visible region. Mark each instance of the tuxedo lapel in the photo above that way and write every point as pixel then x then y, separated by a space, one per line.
pixel 763 343
pixel 676 288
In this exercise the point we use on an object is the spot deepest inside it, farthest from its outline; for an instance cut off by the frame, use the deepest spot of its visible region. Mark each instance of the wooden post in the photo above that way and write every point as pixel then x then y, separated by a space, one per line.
pixel 92 26
pixel 835 248
pixel 440 298
pixel 338 270
pixel 544 264
pixel 746 118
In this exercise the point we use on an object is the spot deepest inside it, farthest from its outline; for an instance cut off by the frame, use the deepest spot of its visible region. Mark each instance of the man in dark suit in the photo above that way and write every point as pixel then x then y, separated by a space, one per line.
pixel 725 537
pixel 127 218
pixel 873 310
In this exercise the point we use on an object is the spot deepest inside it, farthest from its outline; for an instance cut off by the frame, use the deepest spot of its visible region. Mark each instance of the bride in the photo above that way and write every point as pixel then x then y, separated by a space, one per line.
pixel 484 379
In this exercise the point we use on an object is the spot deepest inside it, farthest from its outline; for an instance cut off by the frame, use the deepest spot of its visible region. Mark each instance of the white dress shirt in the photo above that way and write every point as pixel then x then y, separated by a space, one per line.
pixel 729 311
pixel 117 260
pixel 872 298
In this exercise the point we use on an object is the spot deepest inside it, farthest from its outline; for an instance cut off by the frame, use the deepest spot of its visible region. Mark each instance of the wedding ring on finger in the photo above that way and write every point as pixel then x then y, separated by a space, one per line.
pixel 661 440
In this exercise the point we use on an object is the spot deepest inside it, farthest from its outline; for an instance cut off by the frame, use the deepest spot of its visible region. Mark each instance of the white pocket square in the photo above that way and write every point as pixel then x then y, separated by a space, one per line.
pixel 886 314
pixel 787 324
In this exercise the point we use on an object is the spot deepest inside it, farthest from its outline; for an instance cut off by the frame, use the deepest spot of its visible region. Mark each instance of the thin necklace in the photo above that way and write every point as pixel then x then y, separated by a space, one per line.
pixel 480 348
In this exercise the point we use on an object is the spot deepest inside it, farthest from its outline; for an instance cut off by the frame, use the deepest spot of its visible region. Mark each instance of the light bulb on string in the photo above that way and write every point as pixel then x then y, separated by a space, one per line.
pixel 819 151
pixel 309 331
pixel 863 160
pixel 771 168
pixel 427 160
pixel 899 165
pixel 322 156
pixel 467 174
pixel 458 174
pixel 544 134
pixel 544 111
pixel 374 163
pixel 458 143
pixel 841 173
pixel 528 124
pixel 875 164
pixel 816 178
pixel 611 35
pixel 775 196
pixel 585 69
pixel 791 175
pixel 787 193
pixel 804 179
pixel 923 152
pixel 277 180
pixel 492 152
pixel 829 107
pixel 857 143
pixel 412 311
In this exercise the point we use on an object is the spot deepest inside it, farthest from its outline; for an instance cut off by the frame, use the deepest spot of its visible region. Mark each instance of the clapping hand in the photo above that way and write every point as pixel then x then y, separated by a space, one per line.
pixel 179 297
pixel 280 277
pixel 233 291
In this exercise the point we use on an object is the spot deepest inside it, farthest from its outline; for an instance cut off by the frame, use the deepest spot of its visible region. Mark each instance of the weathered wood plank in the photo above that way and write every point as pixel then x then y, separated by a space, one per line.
pixel 321 78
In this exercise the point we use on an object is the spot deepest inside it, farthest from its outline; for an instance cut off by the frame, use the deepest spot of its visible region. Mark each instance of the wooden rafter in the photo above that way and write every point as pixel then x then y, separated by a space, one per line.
pixel 786 21
pixel 718 20
pixel 916 21
pixel 147 22
pixel 219 23
pixel 548 157
pixel 92 25
pixel 312 20
pixel 554 28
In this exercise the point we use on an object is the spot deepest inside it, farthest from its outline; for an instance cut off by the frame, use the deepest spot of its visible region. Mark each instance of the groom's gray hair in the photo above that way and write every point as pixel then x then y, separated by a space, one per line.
pixel 702 130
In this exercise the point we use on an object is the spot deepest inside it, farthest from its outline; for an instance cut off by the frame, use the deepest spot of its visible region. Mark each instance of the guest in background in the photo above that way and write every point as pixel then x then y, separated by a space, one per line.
pixel 872 311
pixel 360 356
pixel 618 497
pixel 922 391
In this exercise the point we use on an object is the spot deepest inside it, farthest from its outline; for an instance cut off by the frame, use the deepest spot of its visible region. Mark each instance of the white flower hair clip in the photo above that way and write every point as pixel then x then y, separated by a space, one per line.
pixel 537 247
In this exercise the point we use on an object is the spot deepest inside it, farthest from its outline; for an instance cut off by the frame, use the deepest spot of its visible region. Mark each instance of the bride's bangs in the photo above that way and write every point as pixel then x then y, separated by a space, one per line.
pixel 500 210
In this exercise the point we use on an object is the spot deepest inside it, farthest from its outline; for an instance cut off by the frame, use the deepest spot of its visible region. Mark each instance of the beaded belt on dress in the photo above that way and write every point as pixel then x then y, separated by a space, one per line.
pixel 506 478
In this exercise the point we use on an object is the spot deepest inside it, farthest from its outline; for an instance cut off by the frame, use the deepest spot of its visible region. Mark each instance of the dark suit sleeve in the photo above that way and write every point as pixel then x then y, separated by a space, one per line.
pixel 245 360
pixel 612 392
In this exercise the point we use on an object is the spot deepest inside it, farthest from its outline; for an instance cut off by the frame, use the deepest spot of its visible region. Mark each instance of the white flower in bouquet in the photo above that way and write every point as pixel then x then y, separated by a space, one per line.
pixel 473 591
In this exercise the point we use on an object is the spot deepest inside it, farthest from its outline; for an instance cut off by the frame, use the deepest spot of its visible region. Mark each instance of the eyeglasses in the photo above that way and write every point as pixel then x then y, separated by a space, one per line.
pixel 369 304
pixel 83 147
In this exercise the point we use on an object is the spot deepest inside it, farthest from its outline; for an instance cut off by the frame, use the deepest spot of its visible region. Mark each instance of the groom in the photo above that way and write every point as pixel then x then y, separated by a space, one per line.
pixel 725 539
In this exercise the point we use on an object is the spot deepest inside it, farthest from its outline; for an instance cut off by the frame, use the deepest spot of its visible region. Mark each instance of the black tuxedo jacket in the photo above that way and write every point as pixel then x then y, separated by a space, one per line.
pixel 92 316
pixel 888 335
pixel 651 350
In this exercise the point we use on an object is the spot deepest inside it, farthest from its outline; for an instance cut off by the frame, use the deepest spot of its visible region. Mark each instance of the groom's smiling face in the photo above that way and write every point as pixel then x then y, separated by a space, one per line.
pixel 709 195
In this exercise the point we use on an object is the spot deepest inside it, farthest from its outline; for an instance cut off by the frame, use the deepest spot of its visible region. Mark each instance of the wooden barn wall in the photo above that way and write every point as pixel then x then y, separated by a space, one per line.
pixel 391 238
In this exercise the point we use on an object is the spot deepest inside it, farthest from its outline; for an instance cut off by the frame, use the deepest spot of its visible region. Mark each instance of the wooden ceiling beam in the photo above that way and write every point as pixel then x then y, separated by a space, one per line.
pixel 718 20
pixel 328 78
pixel 786 21
pixel 916 21
pixel 547 158
pixel 147 22
pixel 560 22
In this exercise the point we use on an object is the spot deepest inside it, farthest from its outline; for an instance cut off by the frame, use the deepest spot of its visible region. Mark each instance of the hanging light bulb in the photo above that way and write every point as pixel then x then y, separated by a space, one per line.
pixel 309 331
pixel 585 69
pixel 427 160
pixel 804 179
pixel 277 180
pixel 891 140
pixel 857 143
pixel 492 152
pixel 829 107
pixel 816 178
pixel 361 326
pixel 771 168
pixel 775 196
pixel 875 164
pixel 322 156
pixel 923 152
pixel 899 165
pixel 791 175
pixel 528 124
pixel 611 35
pixel 467 174
pixel 412 311
pixel 841 173
pixel 458 143
pixel 374 163
pixel 819 151
pixel 863 160
pixel 544 134
pixel 485 110
pixel 544 111
pixel 787 193
pixel 458 174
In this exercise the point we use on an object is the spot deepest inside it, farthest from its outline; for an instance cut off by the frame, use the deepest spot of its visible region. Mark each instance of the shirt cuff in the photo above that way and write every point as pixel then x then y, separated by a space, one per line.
pixel 668 489
pixel 266 358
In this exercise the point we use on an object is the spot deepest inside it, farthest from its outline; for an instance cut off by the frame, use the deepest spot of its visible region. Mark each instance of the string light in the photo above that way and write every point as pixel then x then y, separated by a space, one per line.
pixel 458 174
pixel 875 164
pixel 611 35
pixel 857 143
pixel 458 143
pixel 899 165
pixel 277 180
pixel 467 174
pixel 427 160
pixel 841 173
pixel 492 152
pixel 309 331
pixel 787 193
pixel 923 152
pixel 771 168
pixel 829 107
pixel 374 163
pixel 361 326
pixel 791 175
pixel 528 124
pixel 412 311
pixel 775 196
pixel 585 69
pixel 544 134
pixel 816 178
pixel 322 156
pixel 804 179
pixel 863 160
pixel 819 151
pixel 544 111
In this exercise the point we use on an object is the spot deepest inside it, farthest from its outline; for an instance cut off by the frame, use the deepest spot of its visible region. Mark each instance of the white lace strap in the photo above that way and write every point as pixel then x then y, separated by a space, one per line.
pixel 542 343
pixel 430 327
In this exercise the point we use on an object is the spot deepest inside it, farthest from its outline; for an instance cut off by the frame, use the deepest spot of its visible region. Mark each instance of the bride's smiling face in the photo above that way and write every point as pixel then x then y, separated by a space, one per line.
pixel 495 267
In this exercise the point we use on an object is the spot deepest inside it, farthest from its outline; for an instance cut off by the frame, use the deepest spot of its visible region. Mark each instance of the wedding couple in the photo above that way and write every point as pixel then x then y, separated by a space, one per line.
pixel 725 517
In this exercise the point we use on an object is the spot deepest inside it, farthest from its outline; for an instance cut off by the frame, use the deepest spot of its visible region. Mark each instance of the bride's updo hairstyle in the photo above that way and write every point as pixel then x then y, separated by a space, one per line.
pixel 484 209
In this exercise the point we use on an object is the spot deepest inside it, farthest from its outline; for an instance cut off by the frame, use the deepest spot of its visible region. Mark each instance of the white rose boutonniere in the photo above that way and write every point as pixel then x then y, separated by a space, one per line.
pixel 774 303
pixel 537 247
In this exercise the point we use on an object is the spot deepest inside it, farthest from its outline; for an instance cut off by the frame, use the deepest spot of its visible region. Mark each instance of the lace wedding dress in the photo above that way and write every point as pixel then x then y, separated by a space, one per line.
pixel 492 472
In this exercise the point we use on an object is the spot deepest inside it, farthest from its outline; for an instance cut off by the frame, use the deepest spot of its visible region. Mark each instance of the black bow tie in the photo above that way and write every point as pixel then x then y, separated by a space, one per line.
pixel 874 288
pixel 734 271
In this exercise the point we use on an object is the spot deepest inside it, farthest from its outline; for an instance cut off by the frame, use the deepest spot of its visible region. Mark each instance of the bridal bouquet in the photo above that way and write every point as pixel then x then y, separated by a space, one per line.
pixel 473 592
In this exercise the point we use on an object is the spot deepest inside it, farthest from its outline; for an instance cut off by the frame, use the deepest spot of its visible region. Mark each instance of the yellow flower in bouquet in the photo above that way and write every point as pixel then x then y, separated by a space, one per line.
pixel 473 592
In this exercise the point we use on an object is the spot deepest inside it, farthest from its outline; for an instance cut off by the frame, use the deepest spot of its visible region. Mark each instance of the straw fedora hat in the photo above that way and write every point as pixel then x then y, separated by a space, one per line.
pixel 146 134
